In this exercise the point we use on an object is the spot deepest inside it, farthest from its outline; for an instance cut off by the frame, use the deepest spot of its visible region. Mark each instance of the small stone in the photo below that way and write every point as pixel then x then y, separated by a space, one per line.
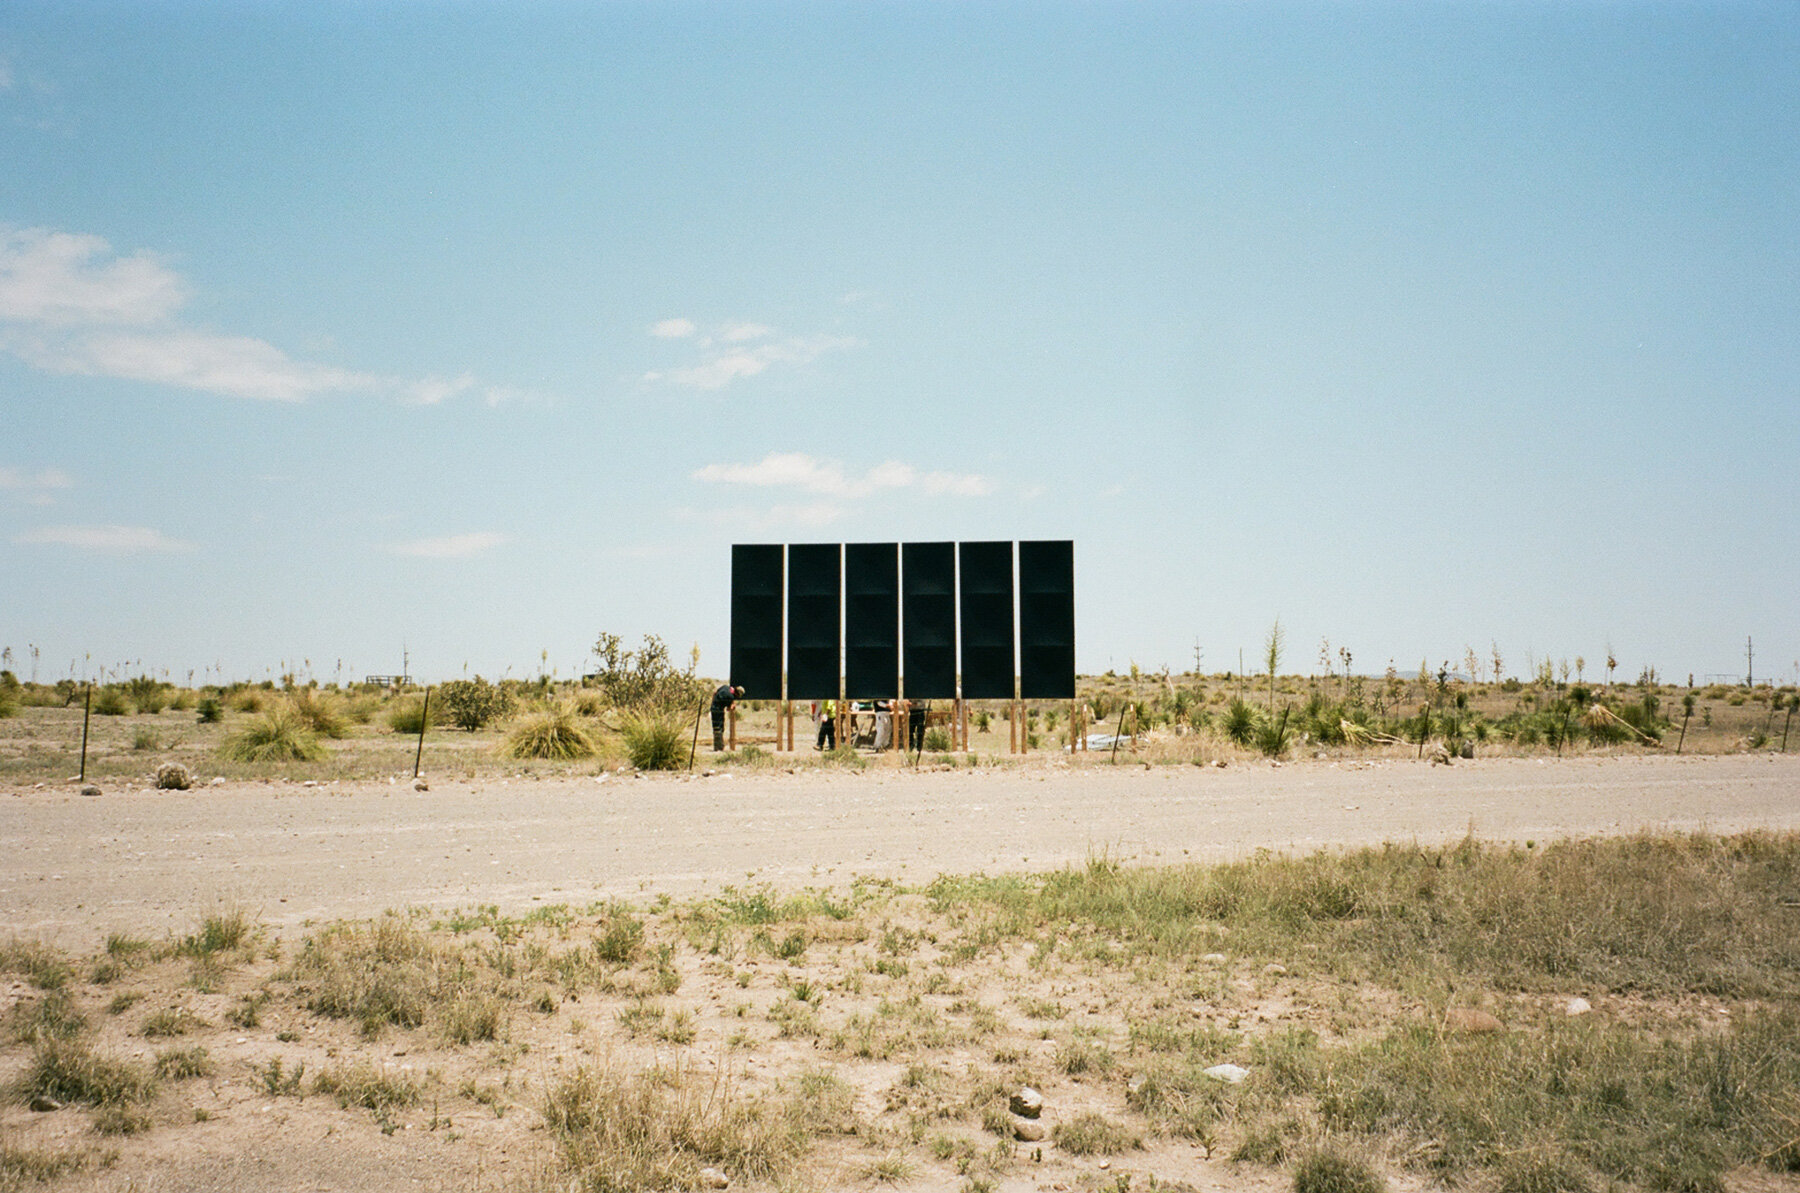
pixel 1467 751
pixel 1219 762
pixel 1274 969
pixel 218 781
pixel 1213 959
pixel 421 785
pixel 1578 1006
pixel 1027 1102
pixel 1472 1021
pixel 90 789
pixel 172 776
pixel 1028 1130
pixel 1106 1163
pixel 1234 1074
pixel 714 1178
pixel 44 1103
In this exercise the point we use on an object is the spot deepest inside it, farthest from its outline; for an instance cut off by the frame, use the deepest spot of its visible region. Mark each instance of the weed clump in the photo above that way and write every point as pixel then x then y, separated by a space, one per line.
pixel 553 732
pixel 322 714
pixel 278 735
pixel 366 1086
pixel 656 1130
pixel 654 741
pixel 69 1070
pixel 1331 1170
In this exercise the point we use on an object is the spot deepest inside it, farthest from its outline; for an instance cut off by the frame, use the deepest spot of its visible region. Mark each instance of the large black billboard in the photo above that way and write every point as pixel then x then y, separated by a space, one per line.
pixel 928 621
pixel 1047 620
pixel 815 596
pixel 756 591
pixel 871 621
pixel 985 586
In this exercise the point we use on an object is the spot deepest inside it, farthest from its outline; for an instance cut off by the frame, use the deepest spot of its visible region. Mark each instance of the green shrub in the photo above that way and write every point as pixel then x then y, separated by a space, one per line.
pixel 279 735
pixel 470 704
pixel 407 716
pixel 211 711
pixel 645 679
pixel 111 701
pixel 553 732
pixel 937 740
pixel 654 741
pixel 146 694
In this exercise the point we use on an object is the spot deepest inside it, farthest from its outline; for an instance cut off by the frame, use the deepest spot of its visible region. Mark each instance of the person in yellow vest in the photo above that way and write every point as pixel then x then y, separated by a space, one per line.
pixel 827 714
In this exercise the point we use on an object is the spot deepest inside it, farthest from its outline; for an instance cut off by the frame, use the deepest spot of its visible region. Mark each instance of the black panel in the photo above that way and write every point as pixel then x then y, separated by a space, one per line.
pixel 928 576
pixel 756 575
pixel 1047 620
pixel 814 589
pixel 985 581
pixel 872 621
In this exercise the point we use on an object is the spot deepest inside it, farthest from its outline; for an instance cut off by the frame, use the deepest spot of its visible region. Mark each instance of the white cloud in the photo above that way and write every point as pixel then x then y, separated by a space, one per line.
pixel 115 539
pixel 69 304
pixel 34 488
pixel 433 390
pixel 235 366
pixel 828 478
pixel 737 333
pixel 54 279
pixel 725 365
pixel 672 329
pixel 450 546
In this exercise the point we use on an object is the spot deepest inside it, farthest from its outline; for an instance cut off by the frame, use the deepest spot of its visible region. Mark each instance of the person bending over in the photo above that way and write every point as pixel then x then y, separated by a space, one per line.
pixel 722 699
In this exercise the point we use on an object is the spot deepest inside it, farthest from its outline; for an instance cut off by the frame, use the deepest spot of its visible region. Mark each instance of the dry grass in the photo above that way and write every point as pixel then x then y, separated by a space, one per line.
pixel 799 1040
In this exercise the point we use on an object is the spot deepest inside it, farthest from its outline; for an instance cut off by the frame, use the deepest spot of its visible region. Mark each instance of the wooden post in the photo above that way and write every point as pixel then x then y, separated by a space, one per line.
pixel 424 720
pixel 731 724
pixel 790 721
pixel 961 726
pixel 1024 729
pixel 87 712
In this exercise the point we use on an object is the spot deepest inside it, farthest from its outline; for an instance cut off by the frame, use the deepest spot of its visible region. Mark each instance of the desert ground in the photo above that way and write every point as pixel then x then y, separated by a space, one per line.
pixel 783 939
pixel 145 862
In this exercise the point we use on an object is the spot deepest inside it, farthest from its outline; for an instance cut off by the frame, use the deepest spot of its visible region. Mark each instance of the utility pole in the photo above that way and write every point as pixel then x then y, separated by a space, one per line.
pixel 1196 656
pixel 1749 659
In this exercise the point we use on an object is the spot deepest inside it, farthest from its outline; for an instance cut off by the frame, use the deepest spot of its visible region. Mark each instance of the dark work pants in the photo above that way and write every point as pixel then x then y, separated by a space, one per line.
pixel 718 715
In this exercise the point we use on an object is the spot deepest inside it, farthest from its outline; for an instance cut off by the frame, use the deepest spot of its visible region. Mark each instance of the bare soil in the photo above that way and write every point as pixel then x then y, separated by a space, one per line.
pixel 147 862
pixel 153 863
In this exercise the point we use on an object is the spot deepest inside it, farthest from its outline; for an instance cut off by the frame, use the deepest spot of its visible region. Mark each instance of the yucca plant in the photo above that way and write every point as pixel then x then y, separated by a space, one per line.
pixel 1240 721
pixel 279 735
pixel 552 731
pixel 1272 735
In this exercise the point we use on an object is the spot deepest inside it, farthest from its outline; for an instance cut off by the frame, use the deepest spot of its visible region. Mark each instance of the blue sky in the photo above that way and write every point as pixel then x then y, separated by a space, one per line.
pixel 482 328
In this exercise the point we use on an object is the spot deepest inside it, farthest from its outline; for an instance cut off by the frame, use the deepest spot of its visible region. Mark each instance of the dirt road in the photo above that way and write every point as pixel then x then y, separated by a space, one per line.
pixel 147 862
